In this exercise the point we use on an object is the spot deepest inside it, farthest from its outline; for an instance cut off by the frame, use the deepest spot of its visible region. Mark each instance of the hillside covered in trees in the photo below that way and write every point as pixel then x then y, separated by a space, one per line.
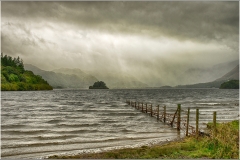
pixel 15 78
pixel 232 84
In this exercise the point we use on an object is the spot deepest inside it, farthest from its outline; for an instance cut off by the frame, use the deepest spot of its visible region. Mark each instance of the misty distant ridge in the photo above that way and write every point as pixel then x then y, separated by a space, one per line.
pixel 76 78
pixel 199 75
pixel 60 79
pixel 86 79
pixel 76 71
pixel 231 75
pixel 119 80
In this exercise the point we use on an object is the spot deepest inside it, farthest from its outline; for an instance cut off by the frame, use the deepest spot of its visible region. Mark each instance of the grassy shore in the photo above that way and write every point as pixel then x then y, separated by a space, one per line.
pixel 224 145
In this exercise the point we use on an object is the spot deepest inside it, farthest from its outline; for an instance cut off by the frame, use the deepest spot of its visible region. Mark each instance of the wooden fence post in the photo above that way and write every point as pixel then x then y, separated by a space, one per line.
pixel 158 112
pixel 151 111
pixel 214 123
pixel 164 114
pixel 179 117
pixel 146 108
pixel 138 106
pixel 142 106
pixel 187 121
pixel 135 105
pixel 174 118
pixel 197 120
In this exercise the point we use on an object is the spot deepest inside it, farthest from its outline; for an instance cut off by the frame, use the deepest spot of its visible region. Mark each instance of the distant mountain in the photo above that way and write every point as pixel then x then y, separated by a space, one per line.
pixel 76 78
pixel 87 79
pixel 113 80
pixel 119 80
pixel 64 78
pixel 202 75
pixel 214 84
pixel 225 67
pixel 231 75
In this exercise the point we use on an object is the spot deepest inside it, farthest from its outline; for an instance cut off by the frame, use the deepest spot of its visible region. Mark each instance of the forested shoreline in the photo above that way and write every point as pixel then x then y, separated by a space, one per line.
pixel 15 78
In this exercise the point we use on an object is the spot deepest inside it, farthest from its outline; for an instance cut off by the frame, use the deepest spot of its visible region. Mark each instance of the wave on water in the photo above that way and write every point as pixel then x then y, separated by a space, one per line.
pixel 78 121
pixel 24 132
pixel 210 104
pixel 79 125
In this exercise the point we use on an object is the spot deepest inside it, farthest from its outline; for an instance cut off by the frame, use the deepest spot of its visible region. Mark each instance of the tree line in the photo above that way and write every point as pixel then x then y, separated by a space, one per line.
pixel 14 77
pixel 14 62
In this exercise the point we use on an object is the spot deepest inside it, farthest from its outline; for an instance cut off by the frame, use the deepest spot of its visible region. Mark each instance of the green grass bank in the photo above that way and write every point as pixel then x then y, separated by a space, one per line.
pixel 225 145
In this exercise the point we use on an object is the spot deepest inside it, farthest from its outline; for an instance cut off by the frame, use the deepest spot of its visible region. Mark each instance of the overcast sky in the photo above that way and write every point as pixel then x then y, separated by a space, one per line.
pixel 160 40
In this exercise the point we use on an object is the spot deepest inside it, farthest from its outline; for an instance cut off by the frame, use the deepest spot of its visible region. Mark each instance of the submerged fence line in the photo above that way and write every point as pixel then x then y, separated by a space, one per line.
pixel 174 120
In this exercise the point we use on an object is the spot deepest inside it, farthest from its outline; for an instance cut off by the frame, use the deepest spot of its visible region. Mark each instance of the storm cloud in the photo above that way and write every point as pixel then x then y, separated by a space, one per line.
pixel 154 41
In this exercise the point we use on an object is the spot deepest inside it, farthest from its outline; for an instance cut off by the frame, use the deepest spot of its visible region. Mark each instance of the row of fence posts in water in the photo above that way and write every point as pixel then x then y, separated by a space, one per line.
pixel 177 114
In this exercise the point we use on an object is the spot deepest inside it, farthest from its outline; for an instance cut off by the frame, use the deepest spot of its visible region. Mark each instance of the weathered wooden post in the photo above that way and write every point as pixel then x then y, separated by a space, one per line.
pixel 187 121
pixel 164 114
pixel 146 108
pixel 197 120
pixel 179 117
pixel 142 106
pixel 214 123
pixel 135 105
pixel 158 112
pixel 138 106
pixel 151 111
pixel 174 118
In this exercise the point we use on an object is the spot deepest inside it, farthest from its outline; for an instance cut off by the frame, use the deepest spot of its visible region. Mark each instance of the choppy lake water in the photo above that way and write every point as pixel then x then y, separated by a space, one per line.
pixel 37 124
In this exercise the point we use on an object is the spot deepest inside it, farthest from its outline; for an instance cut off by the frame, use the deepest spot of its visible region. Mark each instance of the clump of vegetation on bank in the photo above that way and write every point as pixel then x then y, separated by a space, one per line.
pixel 232 84
pixel 15 78
pixel 224 145
pixel 99 85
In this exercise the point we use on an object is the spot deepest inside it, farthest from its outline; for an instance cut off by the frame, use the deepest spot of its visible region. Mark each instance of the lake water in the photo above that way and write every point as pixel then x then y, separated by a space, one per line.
pixel 37 124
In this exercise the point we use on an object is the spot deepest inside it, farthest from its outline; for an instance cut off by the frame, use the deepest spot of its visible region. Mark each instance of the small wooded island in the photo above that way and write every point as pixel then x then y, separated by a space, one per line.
pixel 99 85
pixel 15 78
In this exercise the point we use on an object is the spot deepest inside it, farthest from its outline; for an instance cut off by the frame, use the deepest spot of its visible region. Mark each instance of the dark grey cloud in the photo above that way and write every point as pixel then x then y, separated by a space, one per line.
pixel 197 21
pixel 155 41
